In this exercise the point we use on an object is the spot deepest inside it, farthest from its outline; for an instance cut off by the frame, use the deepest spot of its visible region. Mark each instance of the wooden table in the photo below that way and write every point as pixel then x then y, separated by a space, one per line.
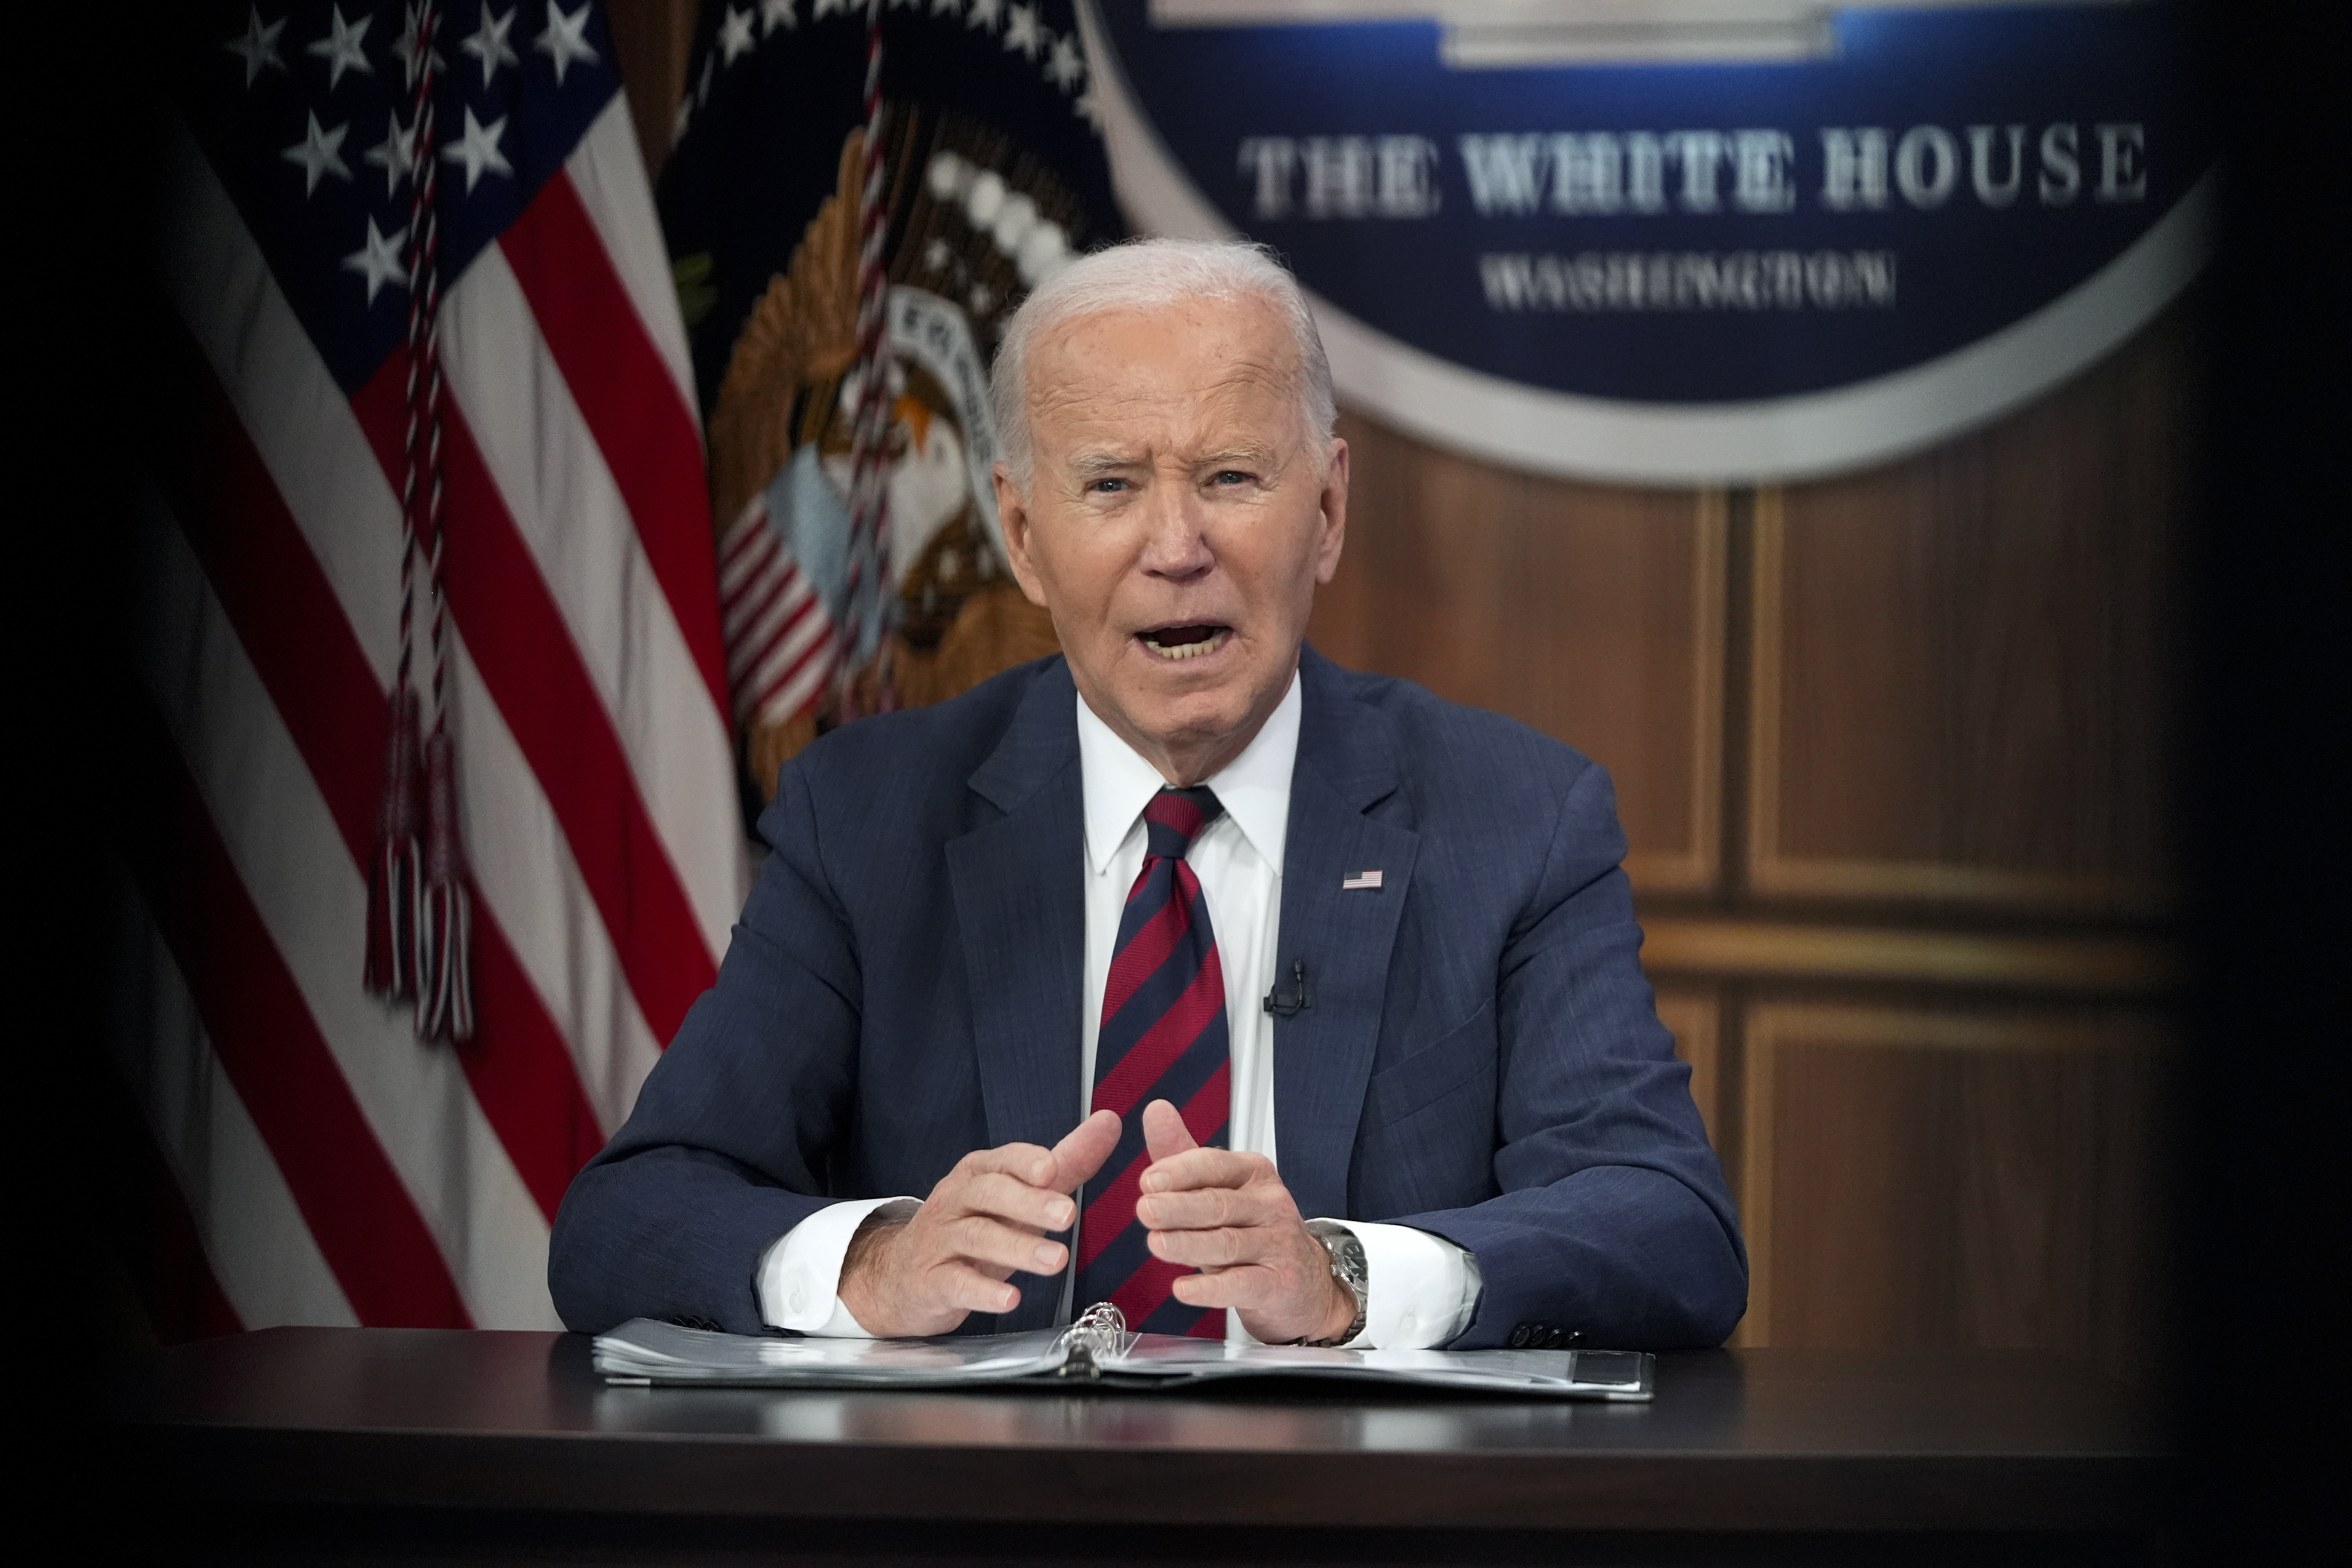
pixel 389 1445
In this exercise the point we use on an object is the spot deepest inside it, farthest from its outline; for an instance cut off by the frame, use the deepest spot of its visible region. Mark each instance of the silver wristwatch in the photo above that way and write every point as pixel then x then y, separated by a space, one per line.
pixel 1348 1266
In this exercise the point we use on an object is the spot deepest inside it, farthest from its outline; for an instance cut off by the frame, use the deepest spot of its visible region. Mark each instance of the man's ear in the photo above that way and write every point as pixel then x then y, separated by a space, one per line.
pixel 1013 514
pixel 1334 503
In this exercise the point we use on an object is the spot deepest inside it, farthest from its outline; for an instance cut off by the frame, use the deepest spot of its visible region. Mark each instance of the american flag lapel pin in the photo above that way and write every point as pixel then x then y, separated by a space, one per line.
pixel 1360 880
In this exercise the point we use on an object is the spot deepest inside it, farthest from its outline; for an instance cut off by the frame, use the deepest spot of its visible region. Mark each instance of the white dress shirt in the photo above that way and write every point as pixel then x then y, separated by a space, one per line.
pixel 1423 1287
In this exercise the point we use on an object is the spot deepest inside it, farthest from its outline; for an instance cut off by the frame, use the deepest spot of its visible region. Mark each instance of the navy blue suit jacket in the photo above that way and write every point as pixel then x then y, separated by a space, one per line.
pixel 1482 1058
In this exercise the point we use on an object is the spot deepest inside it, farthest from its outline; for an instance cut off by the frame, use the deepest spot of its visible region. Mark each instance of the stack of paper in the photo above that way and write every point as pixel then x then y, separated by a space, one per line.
pixel 647 1352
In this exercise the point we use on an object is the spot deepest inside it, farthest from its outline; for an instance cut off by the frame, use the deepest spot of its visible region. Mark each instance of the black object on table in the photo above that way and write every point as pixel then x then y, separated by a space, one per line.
pixel 382 1445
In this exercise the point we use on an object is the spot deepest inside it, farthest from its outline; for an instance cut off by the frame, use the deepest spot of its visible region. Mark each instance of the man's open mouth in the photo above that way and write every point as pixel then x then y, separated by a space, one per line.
pixel 1186 642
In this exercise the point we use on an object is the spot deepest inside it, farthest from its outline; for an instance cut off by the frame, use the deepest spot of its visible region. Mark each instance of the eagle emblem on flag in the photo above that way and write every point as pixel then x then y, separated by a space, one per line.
pixel 843 330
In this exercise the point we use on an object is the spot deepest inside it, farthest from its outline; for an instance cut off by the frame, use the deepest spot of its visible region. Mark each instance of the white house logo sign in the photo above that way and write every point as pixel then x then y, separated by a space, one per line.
pixel 1640 242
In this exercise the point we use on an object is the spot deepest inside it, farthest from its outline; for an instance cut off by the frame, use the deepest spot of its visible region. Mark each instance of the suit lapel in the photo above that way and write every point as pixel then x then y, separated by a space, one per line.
pixel 1323 1056
pixel 1019 911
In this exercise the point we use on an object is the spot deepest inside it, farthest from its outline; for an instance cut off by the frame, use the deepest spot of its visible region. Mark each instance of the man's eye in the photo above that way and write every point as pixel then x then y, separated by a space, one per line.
pixel 1231 477
pixel 1106 487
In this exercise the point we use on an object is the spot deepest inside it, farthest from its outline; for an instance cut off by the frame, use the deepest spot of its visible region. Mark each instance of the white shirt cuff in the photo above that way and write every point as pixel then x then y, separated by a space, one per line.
pixel 1421 1290
pixel 800 1274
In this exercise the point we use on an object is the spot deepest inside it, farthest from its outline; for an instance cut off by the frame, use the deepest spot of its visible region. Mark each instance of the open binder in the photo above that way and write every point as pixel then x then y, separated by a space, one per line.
pixel 1096 1349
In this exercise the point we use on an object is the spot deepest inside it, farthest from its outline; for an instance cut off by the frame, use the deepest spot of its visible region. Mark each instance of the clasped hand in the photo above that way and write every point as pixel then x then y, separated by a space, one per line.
pixel 1225 1214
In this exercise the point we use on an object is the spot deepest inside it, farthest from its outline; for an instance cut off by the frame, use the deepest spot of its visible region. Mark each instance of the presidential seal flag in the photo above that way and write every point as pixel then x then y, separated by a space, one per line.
pixel 431 708
pixel 861 193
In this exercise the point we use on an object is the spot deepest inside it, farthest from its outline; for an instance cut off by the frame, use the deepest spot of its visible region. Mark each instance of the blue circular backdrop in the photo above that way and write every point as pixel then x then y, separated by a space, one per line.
pixel 1689 233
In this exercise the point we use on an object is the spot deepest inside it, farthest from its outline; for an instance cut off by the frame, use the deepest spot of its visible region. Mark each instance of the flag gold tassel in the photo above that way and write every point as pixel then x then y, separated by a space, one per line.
pixel 445 992
pixel 396 862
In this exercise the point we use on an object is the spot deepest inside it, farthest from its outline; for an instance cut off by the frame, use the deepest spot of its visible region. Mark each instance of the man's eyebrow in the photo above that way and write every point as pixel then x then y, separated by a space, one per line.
pixel 1097 462
pixel 1252 456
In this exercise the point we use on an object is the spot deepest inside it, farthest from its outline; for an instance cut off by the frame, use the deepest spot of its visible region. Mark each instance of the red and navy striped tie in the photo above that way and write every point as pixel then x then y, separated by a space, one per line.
pixel 1163 1037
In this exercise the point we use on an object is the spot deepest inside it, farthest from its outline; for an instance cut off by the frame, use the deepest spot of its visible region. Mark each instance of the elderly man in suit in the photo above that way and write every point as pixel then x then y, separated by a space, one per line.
pixel 1185 970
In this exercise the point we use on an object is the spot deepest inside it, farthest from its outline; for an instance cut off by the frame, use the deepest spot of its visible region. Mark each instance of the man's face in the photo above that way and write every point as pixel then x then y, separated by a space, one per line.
pixel 1177 520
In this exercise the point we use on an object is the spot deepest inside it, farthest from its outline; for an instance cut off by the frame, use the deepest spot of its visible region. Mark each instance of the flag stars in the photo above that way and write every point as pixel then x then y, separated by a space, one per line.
pixel 489 43
pixel 1023 33
pixel 318 154
pixel 378 259
pixel 1064 68
pixel 340 47
pixel 735 38
pixel 395 155
pixel 478 149
pixel 565 39
pixel 1059 58
pixel 259 48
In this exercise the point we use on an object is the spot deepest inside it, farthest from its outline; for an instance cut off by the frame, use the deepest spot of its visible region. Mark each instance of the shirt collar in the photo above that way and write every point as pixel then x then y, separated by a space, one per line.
pixel 1254 788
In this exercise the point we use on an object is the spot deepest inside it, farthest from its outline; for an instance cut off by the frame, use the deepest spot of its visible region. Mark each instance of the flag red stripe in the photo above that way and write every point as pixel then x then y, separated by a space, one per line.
pixel 785 627
pixel 749 644
pixel 625 391
pixel 820 649
pixel 749 533
pixel 522 1076
pixel 361 1215
pixel 293 631
pixel 749 601
pixel 745 619
pixel 749 571
pixel 534 672
pixel 803 631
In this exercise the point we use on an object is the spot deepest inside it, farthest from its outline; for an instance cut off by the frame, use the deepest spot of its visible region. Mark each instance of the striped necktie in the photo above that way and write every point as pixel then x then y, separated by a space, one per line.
pixel 1163 1037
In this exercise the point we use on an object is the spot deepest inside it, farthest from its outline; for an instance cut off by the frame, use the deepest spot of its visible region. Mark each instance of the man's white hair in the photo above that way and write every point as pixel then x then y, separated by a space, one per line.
pixel 1140 275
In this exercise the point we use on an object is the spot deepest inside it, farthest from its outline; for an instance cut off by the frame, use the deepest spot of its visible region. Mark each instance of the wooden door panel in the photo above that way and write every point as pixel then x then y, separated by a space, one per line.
pixel 1964 662
pixel 1964 1178
pixel 1593 613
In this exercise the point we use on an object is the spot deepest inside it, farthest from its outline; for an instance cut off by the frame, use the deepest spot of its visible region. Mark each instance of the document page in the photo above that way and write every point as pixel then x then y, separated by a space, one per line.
pixel 646 1350
pixel 1584 1374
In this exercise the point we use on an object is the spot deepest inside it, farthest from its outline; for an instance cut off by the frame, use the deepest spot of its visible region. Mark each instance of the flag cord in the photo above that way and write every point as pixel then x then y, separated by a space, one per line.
pixel 419 940
pixel 869 498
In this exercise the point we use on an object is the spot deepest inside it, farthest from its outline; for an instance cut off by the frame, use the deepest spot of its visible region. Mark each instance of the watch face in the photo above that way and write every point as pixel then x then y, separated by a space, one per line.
pixel 1348 1263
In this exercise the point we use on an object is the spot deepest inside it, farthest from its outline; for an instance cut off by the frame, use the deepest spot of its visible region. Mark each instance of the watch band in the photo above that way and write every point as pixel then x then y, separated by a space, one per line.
pixel 1348 1267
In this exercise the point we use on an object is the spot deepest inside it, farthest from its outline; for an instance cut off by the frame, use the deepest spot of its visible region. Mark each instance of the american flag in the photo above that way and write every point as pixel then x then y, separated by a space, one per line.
pixel 857 197
pixel 331 1166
